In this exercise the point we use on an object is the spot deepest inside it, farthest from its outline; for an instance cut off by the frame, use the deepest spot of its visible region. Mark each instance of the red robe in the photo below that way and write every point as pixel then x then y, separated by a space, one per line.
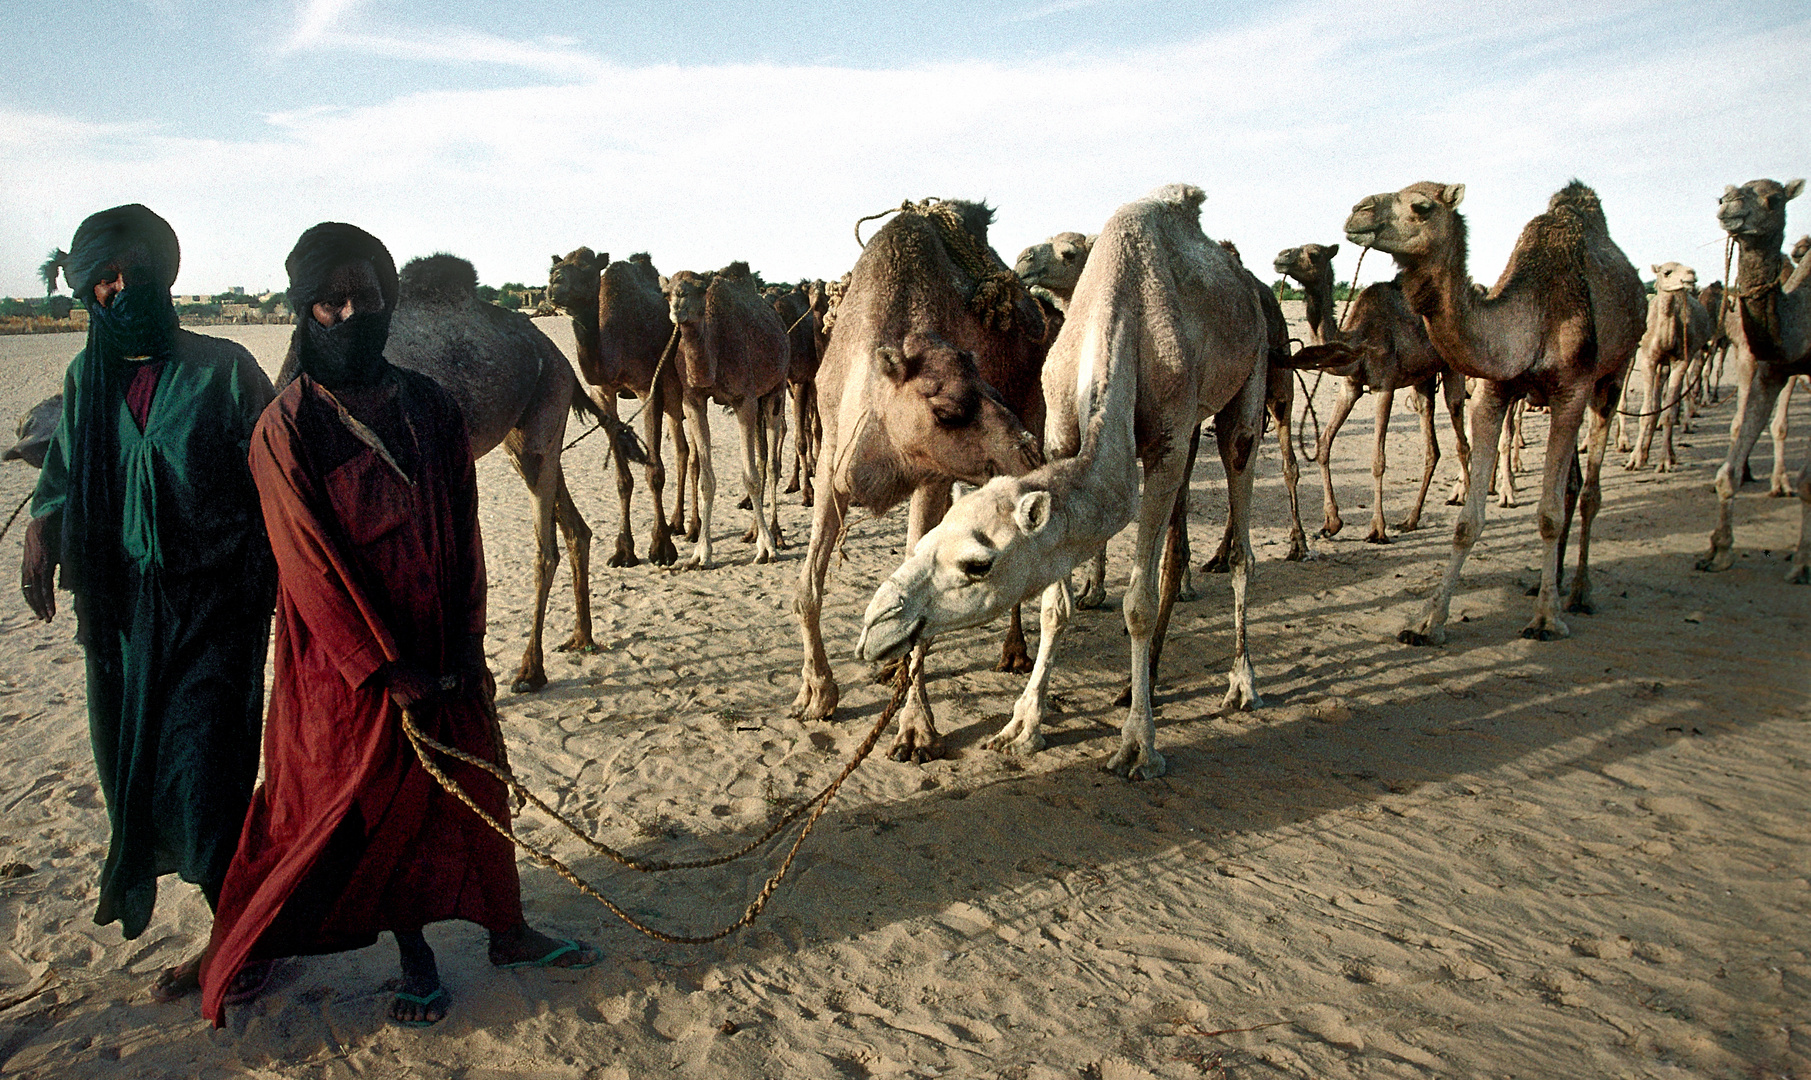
pixel 378 559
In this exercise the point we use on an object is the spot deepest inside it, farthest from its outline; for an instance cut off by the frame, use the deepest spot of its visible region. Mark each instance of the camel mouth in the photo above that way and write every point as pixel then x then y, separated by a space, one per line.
pixel 1361 237
pixel 876 648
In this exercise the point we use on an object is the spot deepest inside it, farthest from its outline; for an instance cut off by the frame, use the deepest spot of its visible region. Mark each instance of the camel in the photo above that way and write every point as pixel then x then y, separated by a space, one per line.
pixel 1558 328
pixel 931 376
pixel 731 350
pixel 1678 329
pixel 514 387
pixel 1385 348
pixel 619 320
pixel 1055 265
pixel 1165 330
pixel 36 429
pixel 1769 323
pixel 800 308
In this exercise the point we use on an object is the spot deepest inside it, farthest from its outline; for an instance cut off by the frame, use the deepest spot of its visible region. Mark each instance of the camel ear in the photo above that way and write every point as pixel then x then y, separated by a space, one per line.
pixel 1033 512
pixel 1794 187
pixel 556 260
pixel 1452 195
pixel 666 284
pixel 1728 190
pixel 1333 251
pixel 1655 267
pixel 959 490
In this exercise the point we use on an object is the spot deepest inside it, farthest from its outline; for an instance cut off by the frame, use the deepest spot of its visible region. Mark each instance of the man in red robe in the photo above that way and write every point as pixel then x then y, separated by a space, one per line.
pixel 365 475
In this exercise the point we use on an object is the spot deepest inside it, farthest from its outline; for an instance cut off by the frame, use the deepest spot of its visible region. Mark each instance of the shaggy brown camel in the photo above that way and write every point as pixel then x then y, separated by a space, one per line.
pixel 932 365
pixel 514 387
pixel 1558 328
pixel 1165 330
pixel 799 308
pixel 731 350
pixel 1385 349
pixel 1678 328
pixel 619 320
pixel 1769 323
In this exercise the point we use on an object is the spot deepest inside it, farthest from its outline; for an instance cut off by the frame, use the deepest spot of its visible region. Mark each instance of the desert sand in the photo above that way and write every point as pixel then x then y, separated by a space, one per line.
pixel 1497 858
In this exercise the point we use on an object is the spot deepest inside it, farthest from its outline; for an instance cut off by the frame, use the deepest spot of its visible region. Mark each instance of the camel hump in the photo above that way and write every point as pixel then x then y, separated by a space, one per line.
pixel 737 271
pixel 1186 198
pixel 438 279
pixel 1579 198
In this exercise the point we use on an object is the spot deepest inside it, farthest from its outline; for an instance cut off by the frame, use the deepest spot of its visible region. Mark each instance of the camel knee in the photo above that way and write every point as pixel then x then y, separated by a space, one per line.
pixel 1549 526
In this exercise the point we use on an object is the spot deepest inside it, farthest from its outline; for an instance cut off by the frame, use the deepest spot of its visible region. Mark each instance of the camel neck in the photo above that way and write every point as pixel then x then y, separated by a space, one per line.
pixel 1761 262
pixel 585 329
pixel 1317 301
pixel 1438 289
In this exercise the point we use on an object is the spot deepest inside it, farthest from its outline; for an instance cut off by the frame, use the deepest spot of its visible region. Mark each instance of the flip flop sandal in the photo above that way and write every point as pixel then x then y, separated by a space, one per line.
pixel 564 948
pixel 249 982
pixel 169 986
pixel 425 1001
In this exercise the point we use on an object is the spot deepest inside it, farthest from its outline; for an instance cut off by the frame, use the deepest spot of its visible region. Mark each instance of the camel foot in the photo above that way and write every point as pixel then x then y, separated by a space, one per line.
pixel 1635 461
pixel 691 533
pixel 1015 661
pixel 1666 466
pixel 1330 528
pixel 1580 605
pixel 1747 474
pixel 815 701
pixel 748 537
pixel 1135 762
pixel 916 747
pixel 1421 636
pixel 1124 700
pixel 1186 592
pixel 807 500
pixel 528 682
pixel 1378 535
pixel 661 552
pixel 1719 560
pixel 623 557
pixel 1298 551
pixel 792 486
pixel 1408 524
pixel 764 557
pixel 1219 564
pixel 578 643
pixel 1021 746
pixel 1546 628
pixel 1091 596
pixel 1781 489
pixel 746 503
pixel 1799 575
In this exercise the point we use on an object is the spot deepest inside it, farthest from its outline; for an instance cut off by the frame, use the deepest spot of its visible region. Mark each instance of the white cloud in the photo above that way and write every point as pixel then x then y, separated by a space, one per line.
pixel 1285 124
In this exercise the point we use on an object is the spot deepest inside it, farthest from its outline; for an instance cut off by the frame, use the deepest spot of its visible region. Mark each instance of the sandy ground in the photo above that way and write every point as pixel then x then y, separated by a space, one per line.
pixel 1499 858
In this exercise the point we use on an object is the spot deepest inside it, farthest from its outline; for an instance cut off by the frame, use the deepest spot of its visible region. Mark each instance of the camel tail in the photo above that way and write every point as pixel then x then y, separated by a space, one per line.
pixel 628 444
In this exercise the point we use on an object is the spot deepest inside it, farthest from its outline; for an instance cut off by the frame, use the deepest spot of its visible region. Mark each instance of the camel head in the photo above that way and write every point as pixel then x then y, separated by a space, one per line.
pixel 572 280
pixel 1757 209
pixel 995 547
pixel 1308 263
pixel 685 296
pixel 1056 264
pixel 1801 249
pixel 1412 223
pixel 1675 277
pixel 942 417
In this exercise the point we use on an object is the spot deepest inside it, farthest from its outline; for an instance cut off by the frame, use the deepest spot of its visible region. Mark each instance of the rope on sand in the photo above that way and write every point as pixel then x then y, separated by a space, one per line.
pixel 817 804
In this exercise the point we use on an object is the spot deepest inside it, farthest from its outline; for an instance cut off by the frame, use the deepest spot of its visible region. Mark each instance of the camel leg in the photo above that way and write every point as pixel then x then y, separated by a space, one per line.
pixel 682 462
pixel 1755 398
pixel 918 740
pixel 1137 757
pixel 1800 574
pixel 1386 398
pixel 624 555
pixel 1590 498
pixel 798 440
pixel 660 541
pixel 1693 399
pixel 1781 483
pixel 1236 456
pixel 1280 409
pixel 1650 408
pixel 1452 384
pixel 542 475
pixel 1430 452
pixel 1094 589
pixel 1349 392
pixel 698 420
pixel 1488 410
pixel 751 424
pixel 818 693
pixel 776 464
pixel 1675 395
pixel 1021 734
pixel 1624 444
pixel 1171 569
pixel 813 425
pixel 1564 417
pixel 578 546
pixel 1507 456
pixel 1013 656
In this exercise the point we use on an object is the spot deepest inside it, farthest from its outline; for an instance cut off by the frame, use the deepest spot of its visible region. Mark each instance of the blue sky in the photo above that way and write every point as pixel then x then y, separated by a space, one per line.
pixel 714 131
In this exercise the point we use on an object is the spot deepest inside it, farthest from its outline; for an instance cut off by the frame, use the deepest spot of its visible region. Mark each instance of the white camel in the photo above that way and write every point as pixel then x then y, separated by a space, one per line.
pixel 1164 330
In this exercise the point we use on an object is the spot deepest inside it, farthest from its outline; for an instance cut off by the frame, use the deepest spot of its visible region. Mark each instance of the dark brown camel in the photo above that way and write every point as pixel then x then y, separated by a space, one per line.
pixel 619 319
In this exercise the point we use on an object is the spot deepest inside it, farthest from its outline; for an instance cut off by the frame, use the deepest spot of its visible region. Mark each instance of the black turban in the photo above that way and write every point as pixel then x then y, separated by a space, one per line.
pixel 131 236
pixel 351 353
pixel 325 247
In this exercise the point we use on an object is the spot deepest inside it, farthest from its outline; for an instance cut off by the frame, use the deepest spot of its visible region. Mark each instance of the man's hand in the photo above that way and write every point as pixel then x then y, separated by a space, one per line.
pixel 38 567
pixel 409 686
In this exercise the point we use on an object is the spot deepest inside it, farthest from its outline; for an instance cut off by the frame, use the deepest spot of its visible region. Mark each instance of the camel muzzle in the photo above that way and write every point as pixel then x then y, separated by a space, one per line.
pixel 891 626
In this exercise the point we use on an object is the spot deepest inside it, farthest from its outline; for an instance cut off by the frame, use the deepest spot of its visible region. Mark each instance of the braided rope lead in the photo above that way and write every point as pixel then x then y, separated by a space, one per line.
pixel 423 744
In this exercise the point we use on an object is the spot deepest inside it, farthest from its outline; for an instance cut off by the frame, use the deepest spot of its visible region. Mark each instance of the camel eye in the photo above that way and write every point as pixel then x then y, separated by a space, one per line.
pixel 1422 206
pixel 976 567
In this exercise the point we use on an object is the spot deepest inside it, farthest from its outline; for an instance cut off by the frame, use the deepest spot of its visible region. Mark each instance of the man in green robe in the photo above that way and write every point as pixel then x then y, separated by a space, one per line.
pixel 146 502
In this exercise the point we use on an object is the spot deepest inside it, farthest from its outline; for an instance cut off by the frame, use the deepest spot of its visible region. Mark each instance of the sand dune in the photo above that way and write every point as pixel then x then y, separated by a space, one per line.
pixel 1496 858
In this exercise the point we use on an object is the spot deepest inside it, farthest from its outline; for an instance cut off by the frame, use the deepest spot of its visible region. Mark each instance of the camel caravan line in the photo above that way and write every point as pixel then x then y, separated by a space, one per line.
pixel 1029 414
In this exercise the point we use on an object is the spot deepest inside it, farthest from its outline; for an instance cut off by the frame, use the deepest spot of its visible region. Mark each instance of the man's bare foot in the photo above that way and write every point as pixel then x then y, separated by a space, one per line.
pixel 249 981
pixel 528 947
pixel 178 982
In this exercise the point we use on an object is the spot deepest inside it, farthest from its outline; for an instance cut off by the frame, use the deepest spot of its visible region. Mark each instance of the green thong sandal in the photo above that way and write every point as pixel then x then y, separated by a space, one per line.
pixel 423 1000
pixel 564 948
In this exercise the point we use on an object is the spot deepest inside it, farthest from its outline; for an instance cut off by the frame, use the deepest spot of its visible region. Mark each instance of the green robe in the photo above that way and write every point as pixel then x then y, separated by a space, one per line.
pixel 175 664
